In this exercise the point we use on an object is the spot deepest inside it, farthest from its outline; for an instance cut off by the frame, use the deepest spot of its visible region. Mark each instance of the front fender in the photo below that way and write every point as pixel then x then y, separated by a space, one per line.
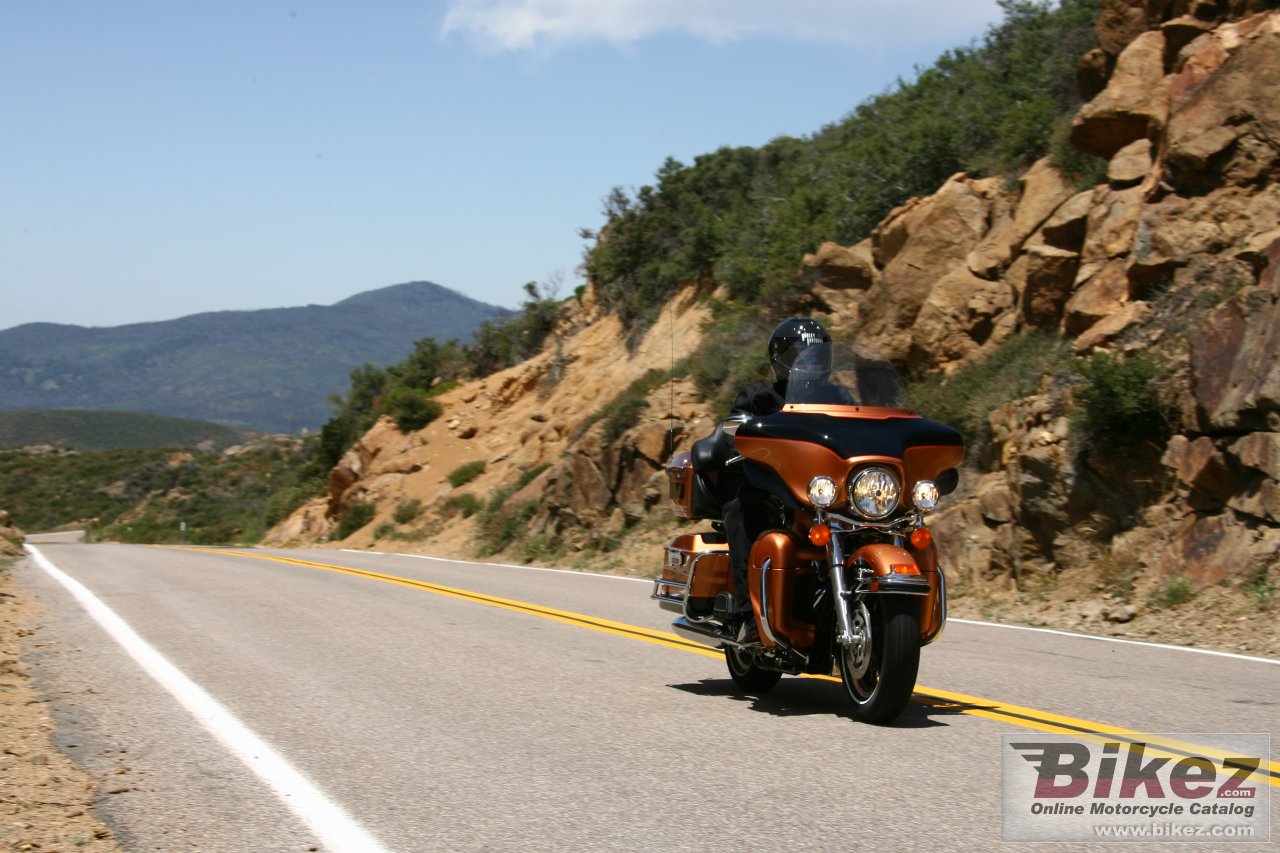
pixel 921 577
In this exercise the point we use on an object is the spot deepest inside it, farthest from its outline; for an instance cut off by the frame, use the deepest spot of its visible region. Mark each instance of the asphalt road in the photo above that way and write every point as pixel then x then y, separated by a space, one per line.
pixel 438 719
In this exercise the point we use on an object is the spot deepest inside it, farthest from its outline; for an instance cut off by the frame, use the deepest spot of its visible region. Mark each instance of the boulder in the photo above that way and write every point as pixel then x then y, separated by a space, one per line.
pixel 10 537
pixel 1112 223
pixel 1110 327
pixel 1223 127
pixel 1200 466
pixel 1051 273
pixel 922 242
pixel 1233 362
pixel 957 317
pixel 840 267
pixel 1178 34
pixel 1102 294
pixel 1211 548
pixel 1121 21
pixel 1259 451
pixel 1135 104
pixel 1261 501
pixel 1092 71
pixel 1067 226
pixel 1130 164
pixel 1175 230
pixel 1044 192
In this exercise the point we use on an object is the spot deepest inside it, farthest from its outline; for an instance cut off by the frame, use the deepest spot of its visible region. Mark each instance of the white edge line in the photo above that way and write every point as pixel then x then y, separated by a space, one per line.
pixel 1213 652
pixel 334 827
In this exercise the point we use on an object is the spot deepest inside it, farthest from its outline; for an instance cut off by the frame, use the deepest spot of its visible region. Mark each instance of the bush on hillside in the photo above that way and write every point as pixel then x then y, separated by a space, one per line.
pixel 745 216
pixel 966 397
pixel 1119 401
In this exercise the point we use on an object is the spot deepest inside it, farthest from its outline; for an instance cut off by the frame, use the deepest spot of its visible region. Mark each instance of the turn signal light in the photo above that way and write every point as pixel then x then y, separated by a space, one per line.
pixel 921 538
pixel 820 535
pixel 904 569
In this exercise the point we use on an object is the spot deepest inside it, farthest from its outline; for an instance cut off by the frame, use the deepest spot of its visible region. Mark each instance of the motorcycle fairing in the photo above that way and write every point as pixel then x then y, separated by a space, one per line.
pixel 776 558
pixel 852 431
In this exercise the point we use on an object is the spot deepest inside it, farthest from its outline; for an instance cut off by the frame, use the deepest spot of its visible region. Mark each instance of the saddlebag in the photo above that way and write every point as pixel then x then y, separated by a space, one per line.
pixel 695 568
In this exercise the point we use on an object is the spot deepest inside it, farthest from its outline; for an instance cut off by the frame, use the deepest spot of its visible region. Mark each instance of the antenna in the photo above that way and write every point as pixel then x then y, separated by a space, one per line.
pixel 671 379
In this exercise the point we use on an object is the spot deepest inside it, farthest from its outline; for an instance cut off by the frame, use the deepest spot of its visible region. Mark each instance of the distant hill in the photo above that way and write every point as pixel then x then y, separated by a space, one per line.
pixel 80 429
pixel 271 369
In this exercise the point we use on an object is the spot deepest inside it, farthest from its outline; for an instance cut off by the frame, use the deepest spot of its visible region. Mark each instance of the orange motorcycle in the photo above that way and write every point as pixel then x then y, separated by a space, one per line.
pixel 849 579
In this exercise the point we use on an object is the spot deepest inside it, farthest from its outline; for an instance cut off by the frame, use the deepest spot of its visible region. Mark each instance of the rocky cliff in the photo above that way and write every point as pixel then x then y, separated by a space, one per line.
pixel 1175 255
pixel 541 425
pixel 10 537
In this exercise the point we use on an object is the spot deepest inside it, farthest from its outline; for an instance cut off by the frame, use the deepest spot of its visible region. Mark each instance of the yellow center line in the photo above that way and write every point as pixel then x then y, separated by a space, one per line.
pixel 1031 718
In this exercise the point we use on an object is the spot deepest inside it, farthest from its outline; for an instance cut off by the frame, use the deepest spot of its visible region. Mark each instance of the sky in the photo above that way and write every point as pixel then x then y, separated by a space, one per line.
pixel 160 159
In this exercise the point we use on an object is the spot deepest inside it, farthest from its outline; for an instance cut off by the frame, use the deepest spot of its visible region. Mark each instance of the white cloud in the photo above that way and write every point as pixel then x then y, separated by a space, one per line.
pixel 515 25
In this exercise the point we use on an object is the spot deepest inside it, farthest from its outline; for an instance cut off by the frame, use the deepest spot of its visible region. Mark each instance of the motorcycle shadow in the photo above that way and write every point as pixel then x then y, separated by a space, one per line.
pixel 798 697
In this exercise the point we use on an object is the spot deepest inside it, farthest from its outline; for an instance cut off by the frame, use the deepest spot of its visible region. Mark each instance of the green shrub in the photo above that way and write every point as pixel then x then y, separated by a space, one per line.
pixel 465 473
pixel 440 388
pixel 1118 403
pixel 527 477
pixel 624 410
pixel 284 501
pixel 467 504
pixel 1261 585
pixel 745 216
pixel 1085 170
pixel 356 517
pixel 1176 590
pixel 540 549
pixel 222 499
pixel 407 512
pixel 501 526
pixel 411 408
pixel 966 398
pixel 384 530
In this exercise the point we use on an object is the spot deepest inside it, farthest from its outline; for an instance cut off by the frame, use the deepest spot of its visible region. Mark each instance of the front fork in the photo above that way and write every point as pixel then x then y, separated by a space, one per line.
pixel 844 625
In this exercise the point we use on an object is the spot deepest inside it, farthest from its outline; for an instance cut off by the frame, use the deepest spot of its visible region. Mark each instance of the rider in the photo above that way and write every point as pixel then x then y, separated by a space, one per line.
pixel 800 357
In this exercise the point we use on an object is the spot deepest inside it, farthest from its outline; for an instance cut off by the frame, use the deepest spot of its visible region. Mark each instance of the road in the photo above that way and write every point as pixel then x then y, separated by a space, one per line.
pixel 440 705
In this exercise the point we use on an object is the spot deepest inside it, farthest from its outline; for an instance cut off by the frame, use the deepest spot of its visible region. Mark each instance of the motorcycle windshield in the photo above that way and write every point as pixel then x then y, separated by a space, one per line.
pixel 829 393
pixel 830 374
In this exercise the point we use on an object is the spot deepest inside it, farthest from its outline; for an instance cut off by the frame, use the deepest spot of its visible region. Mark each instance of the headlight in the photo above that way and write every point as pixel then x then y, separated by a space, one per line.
pixel 874 492
pixel 823 491
pixel 924 495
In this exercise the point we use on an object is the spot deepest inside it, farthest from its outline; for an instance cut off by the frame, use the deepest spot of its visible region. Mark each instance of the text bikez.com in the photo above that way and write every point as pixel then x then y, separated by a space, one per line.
pixel 1056 787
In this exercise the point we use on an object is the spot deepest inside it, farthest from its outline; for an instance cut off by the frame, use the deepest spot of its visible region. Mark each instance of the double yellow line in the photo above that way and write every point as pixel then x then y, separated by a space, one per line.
pixel 1031 718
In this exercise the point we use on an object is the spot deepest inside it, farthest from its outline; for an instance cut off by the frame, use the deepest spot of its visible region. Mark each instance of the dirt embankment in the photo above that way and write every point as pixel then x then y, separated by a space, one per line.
pixel 46 802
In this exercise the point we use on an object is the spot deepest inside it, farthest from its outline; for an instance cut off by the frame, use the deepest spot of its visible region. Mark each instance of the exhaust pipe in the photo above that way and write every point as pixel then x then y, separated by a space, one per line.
pixel 710 634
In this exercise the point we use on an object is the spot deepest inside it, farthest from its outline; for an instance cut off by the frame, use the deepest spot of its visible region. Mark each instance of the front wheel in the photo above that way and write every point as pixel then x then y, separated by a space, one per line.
pixel 748 675
pixel 879 668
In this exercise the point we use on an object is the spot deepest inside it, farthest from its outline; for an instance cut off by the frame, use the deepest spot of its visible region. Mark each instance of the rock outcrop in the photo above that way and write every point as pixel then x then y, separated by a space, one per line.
pixel 543 418
pixel 1178 254
pixel 10 537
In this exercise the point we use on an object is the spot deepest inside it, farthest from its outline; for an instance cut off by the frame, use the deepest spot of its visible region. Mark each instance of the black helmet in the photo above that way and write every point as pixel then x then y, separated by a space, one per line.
pixel 789 343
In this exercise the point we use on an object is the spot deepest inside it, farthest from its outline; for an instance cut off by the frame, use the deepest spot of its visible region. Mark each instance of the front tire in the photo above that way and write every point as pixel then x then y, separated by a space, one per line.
pixel 879 669
pixel 750 677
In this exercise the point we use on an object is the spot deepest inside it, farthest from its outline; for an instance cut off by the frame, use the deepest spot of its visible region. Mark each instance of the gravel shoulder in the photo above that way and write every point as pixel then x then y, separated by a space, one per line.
pixel 46 801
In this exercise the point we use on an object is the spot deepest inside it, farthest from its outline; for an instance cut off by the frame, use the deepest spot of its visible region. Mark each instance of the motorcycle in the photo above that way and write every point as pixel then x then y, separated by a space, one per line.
pixel 848 580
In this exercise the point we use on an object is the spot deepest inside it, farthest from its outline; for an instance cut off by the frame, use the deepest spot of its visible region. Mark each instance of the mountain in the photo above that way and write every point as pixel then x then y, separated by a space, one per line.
pixel 270 369
pixel 81 429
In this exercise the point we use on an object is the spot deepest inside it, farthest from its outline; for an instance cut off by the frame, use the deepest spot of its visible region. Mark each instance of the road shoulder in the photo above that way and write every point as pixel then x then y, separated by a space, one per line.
pixel 46 801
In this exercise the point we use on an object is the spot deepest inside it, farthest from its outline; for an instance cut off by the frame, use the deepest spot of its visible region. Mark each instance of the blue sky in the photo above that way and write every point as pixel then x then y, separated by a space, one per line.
pixel 161 159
